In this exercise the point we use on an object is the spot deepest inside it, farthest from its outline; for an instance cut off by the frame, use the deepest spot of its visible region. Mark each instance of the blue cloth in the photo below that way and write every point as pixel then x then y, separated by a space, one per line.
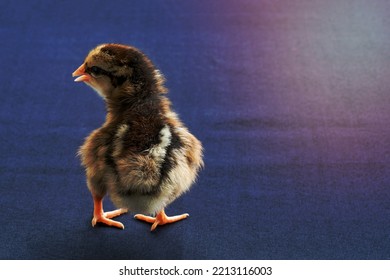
pixel 291 100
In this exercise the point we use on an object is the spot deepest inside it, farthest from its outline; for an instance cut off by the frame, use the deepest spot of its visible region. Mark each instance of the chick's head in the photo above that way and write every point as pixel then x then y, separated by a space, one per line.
pixel 115 70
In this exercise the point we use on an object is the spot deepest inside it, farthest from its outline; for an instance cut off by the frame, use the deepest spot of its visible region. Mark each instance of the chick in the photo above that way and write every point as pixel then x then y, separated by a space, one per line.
pixel 143 156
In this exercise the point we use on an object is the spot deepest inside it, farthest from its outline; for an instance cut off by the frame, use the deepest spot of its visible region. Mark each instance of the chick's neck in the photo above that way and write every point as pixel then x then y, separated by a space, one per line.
pixel 123 110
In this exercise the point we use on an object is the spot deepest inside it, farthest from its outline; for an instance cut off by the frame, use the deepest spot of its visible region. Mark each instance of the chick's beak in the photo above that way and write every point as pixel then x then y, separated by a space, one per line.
pixel 82 75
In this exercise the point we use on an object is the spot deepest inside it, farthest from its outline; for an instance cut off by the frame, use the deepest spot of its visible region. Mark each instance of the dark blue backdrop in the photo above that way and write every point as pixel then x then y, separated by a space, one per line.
pixel 290 98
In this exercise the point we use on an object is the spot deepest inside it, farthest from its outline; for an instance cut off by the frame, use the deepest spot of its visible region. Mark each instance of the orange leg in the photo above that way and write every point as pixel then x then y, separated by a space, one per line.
pixel 160 219
pixel 99 216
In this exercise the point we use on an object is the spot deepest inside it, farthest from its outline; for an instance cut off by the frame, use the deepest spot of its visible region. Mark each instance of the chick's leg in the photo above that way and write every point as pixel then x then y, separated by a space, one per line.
pixel 99 216
pixel 160 219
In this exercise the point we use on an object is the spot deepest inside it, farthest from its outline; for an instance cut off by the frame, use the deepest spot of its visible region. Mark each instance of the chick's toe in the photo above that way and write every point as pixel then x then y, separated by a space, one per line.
pixel 102 219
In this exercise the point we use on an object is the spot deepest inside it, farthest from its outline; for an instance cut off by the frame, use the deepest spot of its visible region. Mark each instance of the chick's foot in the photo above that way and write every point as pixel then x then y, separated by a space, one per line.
pixel 99 216
pixel 160 219
pixel 105 218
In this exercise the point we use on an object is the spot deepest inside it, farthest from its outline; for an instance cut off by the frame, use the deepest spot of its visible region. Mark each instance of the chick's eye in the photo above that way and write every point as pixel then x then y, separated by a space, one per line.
pixel 96 71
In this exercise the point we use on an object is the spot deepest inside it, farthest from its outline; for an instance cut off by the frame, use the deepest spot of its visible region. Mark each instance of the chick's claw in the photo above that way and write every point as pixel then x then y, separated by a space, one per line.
pixel 160 219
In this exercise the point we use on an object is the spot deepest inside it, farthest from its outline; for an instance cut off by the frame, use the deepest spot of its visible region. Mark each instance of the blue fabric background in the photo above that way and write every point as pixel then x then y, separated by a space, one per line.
pixel 291 100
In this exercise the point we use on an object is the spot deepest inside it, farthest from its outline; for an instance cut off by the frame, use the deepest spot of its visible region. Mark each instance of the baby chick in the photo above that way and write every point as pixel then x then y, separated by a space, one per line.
pixel 143 156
